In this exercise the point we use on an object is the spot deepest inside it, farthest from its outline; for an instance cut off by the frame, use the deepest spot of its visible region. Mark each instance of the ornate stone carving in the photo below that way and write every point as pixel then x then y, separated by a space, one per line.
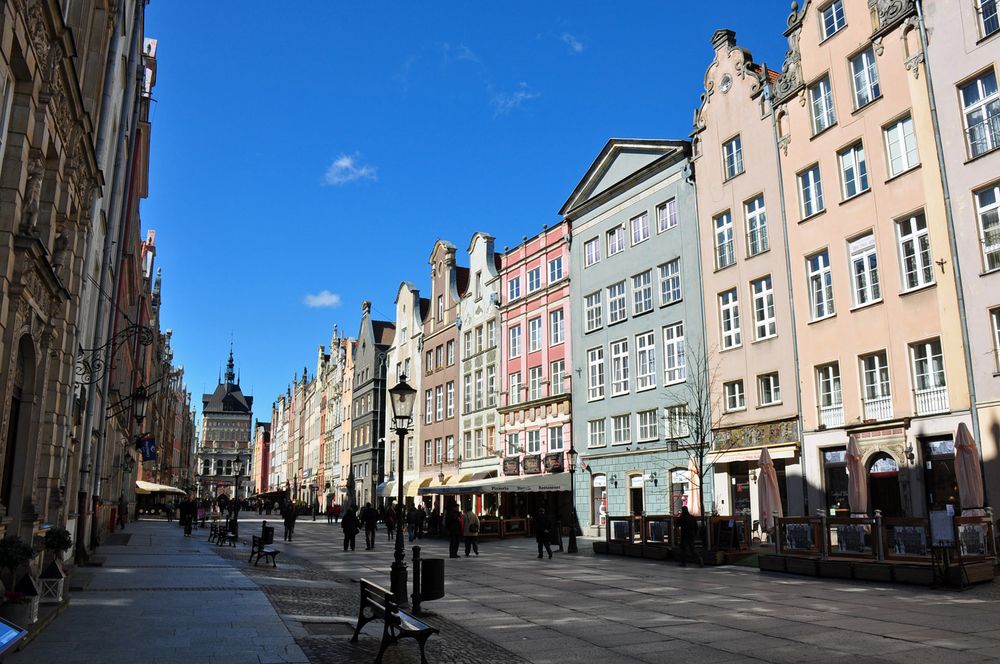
pixel 790 79
pixel 32 196
pixel 890 12
pixel 38 31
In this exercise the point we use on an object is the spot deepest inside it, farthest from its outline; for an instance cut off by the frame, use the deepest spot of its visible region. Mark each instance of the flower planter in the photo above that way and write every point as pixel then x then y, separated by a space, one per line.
pixel 21 613
pixel 51 583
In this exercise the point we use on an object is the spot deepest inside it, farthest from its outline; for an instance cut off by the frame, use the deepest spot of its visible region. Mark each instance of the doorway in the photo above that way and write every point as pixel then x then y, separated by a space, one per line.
pixel 11 487
pixel 883 486
pixel 635 494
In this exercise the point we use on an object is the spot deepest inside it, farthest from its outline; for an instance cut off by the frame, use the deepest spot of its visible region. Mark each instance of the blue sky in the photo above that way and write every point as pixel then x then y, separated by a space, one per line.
pixel 305 160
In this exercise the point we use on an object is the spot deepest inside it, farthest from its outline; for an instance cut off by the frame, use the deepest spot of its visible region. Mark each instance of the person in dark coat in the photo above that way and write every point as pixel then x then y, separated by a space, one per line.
pixel 421 516
pixel 543 532
pixel 689 532
pixel 288 516
pixel 369 517
pixel 411 522
pixel 390 522
pixel 453 526
pixel 349 524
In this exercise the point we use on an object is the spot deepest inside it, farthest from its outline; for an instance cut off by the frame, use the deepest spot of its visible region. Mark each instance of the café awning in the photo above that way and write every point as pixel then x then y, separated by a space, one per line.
pixel 143 488
pixel 387 488
pixel 512 484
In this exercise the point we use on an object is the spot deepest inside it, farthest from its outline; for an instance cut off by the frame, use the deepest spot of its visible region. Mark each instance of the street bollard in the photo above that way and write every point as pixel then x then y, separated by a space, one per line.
pixel 823 534
pixel 415 598
pixel 878 542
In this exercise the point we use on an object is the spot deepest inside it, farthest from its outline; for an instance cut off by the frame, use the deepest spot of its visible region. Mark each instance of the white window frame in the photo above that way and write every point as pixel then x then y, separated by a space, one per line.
pixel 900 134
pixel 617 303
pixel 534 279
pixel 534 334
pixel 864 78
pixel 491 385
pixel 468 343
pixel 467 397
pixel 645 361
pixel 467 444
pixel 513 288
pixel 642 292
pixel 557 376
pixel 729 319
pixel 762 294
pixel 514 388
pixel 640 228
pixel 616 240
pixel 666 215
pixel 479 389
pixel 866 283
pixel 768 389
pixel 989 17
pixel 670 282
pixel 821 105
pixel 875 365
pixel 620 379
pixel 514 338
pixel 832 19
pixel 597 432
pixel 927 360
pixel 593 305
pixel 428 406
pixel 854 179
pixel 439 403
pixel 595 373
pixel 674 354
pixel 675 422
pixel 621 429
pixel 555 439
pixel 647 428
pixel 732 157
pixel 810 192
pixel 450 397
pixel 995 324
pixel 988 216
pixel 534 383
pixel 829 392
pixel 555 269
pixel 981 114
pixel 735 396
pixel 533 442
pixel 755 214
pixel 821 304
pixel 914 244
pixel 513 444
pixel 592 252
pixel 557 327
pixel 725 247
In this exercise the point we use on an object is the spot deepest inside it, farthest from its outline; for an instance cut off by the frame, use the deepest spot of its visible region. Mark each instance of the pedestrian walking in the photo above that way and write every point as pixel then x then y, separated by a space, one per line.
pixel 411 522
pixel 542 532
pixel 170 510
pixel 288 516
pixel 421 517
pixel 369 517
pixel 187 515
pixel 349 524
pixel 390 523
pixel 329 513
pixel 453 526
pixel 689 533
pixel 122 511
pixel 471 532
pixel 336 513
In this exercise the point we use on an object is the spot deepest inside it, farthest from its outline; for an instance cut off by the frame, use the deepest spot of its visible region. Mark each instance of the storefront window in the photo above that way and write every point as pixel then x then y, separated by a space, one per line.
pixel 835 470
pixel 739 473
pixel 599 500
pixel 939 472
pixel 678 490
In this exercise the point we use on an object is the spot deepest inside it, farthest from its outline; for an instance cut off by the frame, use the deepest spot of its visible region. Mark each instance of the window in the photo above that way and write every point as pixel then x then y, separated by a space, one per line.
pixel 596 433
pixel 853 171
pixel 438 450
pixel 439 403
pixel 640 228
pixel 451 352
pixel 439 357
pixel 557 375
pixel 555 439
pixel 831 400
pixel 467 393
pixel 534 279
pixel 729 309
pixel 428 406
pixel 616 240
pixel 594 311
pixel 595 373
pixel 440 308
pixel 533 441
pixel 674 359
pixel 467 445
pixel 995 321
pixel 901 145
pixel 820 285
pixel 988 211
pixel 556 327
pixel 621 427
pixel 534 383
pixel 645 361
pixel 555 269
pixel 832 18
pixel 513 444
pixel 732 157
pixel 514 394
pixel 864 271
pixel 468 343
pixel 479 388
pixel 988 20
pixel 592 252
pixel 666 215
pixel 928 375
pixel 479 285
pixel 616 303
pixel 428 452
pixel 491 333
pixel 915 252
pixel 514 289
pixel 450 390
pixel 450 446
pixel 642 292
pixel 491 385
pixel 481 443
pixel 877 394
pixel 675 422
pixel 763 308
pixel 735 397
pixel 646 421
pixel 756 216
pixel 670 282
pixel 821 101
pixel 768 390
pixel 725 253
pixel 534 334
pixel 811 191
pixel 515 341
pixel 619 367
pixel 981 106
pixel 865 76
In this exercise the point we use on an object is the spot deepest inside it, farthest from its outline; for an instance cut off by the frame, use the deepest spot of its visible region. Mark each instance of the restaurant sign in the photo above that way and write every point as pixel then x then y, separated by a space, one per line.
pixel 554 462
pixel 511 466
pixel 532 465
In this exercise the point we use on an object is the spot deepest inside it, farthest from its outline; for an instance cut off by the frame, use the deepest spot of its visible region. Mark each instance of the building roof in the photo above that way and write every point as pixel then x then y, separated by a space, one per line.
pixel 384 332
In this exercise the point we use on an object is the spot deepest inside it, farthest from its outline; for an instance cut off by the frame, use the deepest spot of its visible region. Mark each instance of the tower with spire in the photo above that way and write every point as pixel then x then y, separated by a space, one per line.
pixel 227 429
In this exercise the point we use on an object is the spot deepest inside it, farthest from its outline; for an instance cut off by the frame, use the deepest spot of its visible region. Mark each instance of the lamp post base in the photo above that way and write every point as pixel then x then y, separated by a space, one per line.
pixel 397 583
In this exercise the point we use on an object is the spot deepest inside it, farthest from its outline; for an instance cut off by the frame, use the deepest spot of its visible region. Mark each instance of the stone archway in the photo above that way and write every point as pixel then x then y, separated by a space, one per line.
pixel 18 443
pixel 883 485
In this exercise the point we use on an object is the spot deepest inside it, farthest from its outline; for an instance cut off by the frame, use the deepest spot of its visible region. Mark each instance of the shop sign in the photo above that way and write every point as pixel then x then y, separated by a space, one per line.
pixel 756 435
pixel 600 480
pixel 972 539
pixel 554 462
pixel 532 465
pixel 511 466
pixel 147 447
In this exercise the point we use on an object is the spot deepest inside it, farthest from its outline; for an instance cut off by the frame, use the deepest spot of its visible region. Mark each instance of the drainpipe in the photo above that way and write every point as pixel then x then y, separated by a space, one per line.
pixel 791 297
pixel 952 239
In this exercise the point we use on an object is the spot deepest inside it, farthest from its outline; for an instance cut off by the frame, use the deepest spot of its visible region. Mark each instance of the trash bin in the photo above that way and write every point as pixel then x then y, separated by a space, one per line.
pixel 431 578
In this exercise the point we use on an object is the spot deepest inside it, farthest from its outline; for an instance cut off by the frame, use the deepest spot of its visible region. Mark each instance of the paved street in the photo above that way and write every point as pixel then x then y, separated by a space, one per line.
pixel 175 600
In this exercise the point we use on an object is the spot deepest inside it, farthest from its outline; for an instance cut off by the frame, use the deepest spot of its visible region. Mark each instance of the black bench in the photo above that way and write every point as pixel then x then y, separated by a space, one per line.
pixel 260 546
pixel 377 603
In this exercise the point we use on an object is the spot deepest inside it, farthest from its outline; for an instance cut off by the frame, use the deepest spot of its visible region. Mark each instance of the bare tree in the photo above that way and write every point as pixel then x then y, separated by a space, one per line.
pixel 701 397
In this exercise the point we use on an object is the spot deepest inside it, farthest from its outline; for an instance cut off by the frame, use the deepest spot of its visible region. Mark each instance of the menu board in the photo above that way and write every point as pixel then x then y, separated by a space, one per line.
pixel 657 531
pixel 619 530
pixel 972 539
pixel 909 540
pixel 799 536
pixel 942 528
pixel 850 538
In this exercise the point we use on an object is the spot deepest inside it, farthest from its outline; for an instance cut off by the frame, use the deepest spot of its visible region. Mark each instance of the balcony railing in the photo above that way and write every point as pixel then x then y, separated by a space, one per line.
pixel 985 135
pixel 879 408
pixel 933 400
pixel 832 416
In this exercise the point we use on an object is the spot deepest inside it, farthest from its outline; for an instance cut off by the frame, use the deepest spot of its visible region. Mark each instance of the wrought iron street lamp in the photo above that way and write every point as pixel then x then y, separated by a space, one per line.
pixel 403 398
pixel 140 402
pixel 572 454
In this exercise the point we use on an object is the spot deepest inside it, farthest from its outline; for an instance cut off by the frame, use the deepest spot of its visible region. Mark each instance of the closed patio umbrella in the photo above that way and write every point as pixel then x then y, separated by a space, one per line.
pixel 970 479
pixel 857 479
pixel 768 492
pixel 694 500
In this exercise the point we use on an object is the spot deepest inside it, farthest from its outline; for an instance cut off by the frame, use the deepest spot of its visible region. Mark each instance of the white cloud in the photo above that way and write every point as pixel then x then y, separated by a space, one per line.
pixel 505 102
pixel 348 168
pixel 324 298
pixel 574 44
pixel 458 52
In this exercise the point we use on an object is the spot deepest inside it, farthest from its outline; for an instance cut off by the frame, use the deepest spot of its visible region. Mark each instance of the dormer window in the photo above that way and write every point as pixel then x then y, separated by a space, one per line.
pixel 832 19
